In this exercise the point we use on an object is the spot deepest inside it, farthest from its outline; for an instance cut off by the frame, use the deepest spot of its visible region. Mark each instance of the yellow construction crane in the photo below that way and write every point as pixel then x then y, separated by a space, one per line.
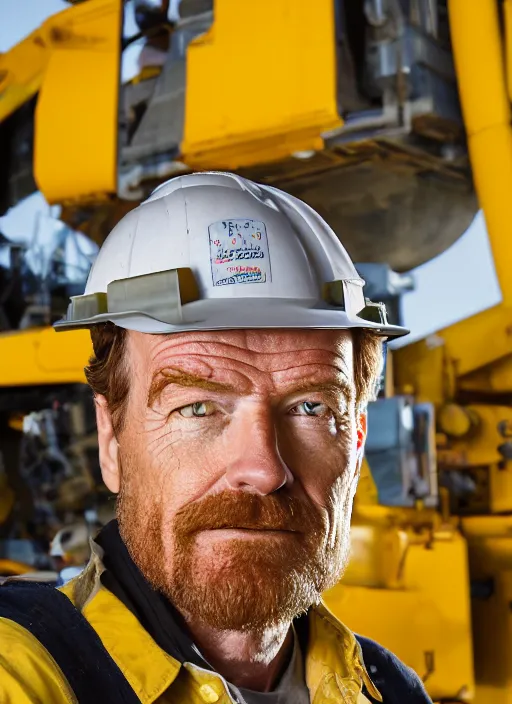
pixel 425 604
pixel 354 107
pixel 356 112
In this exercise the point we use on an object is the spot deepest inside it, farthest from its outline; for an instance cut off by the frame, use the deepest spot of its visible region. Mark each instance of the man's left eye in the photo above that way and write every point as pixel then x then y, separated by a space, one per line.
pixel 196 410
pixel 310 408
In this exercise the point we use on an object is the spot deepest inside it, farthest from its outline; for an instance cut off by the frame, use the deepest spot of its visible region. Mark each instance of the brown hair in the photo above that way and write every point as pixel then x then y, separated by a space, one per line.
pixel 368 363
pixel 107 373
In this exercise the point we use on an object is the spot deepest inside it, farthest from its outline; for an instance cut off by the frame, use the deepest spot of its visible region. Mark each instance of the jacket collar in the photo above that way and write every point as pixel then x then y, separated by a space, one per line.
pixel 334 665
pixel 334 660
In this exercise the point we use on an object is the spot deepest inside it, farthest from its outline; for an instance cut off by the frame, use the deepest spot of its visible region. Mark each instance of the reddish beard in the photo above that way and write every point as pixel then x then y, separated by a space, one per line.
pixel 241 584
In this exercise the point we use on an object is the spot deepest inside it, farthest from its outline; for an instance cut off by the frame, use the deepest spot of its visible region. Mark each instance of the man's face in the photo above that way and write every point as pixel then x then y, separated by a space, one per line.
pixel 237 465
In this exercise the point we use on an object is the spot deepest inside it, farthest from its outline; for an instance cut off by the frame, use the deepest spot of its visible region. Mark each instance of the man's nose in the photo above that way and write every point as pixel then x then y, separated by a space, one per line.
pixel 254 463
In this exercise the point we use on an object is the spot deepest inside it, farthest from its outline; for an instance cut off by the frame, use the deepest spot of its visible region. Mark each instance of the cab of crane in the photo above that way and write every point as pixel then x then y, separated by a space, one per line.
pixel 322 109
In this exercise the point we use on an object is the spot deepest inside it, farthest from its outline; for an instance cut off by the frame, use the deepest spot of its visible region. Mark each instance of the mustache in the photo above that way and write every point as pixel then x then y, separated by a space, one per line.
pixel 230 509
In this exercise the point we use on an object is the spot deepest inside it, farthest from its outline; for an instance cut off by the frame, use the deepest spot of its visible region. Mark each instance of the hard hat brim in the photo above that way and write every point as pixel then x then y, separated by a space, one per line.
pixel 232 314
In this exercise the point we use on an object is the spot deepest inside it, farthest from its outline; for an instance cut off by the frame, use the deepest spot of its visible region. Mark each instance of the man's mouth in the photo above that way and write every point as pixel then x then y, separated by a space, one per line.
pixel 250 529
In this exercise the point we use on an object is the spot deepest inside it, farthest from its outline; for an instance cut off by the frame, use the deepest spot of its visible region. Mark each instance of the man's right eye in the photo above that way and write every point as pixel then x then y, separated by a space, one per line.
pixel 310 408
pixel 200 409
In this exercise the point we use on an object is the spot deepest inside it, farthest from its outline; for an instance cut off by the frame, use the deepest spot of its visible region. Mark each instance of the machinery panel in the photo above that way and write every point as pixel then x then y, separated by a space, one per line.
pixel 75 153
pixel 261 83
pixel 38 356
pixel 425 621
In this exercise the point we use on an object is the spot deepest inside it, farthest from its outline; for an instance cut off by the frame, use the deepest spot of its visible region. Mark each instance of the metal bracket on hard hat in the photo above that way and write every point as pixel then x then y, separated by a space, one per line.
pixel 374 313
pixel 159 295
pixel 333 293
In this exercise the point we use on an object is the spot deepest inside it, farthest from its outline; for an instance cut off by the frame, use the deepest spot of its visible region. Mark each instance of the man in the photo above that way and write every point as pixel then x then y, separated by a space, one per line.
pixel 234 355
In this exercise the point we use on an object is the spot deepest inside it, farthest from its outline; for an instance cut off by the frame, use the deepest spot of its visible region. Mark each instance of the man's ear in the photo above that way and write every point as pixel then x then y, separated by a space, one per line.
pixel 108 446
pixel 362 429
pixel 362 421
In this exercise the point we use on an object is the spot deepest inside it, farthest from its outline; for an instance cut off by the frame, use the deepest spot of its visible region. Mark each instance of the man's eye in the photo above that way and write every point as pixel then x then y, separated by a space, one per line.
pixel 310 408
pixel 196 410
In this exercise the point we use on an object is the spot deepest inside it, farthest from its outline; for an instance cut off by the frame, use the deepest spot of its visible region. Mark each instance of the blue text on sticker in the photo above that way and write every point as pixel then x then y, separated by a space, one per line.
pixel 239 252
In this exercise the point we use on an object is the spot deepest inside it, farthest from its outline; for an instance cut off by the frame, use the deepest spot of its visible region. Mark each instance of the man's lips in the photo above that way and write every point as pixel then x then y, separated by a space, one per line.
pixel 247 529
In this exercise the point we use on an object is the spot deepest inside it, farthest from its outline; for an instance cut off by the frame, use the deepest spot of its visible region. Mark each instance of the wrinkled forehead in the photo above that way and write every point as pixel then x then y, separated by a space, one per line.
pixel 264 341
pixel 264 347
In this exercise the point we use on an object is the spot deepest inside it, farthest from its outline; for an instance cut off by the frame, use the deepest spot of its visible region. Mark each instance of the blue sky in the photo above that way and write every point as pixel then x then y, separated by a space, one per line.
pixel 20 18
pixel 459 283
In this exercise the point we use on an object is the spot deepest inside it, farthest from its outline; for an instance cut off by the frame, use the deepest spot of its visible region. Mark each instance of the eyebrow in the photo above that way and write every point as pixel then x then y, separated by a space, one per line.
pixel 168 377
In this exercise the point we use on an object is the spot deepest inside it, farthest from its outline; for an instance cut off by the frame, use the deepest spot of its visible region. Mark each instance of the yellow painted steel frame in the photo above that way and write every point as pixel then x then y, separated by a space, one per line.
pixel 478 53
pixel 73 61
pixel 40 356
pixel 474 354
pixel 76 126
pixel 407 586
pixel 261 83
pixel 425 620
pixel 21 71
pixel 11 567
pixel 490 556
pixel 507 15
pixel 487 116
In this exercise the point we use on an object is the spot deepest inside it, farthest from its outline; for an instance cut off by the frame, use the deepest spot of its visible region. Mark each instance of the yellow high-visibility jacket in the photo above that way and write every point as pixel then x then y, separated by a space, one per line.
pixel 334 669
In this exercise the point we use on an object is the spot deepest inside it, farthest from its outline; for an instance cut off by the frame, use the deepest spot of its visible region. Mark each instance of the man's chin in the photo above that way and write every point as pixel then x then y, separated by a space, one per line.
pixel 230 601
pixel 244 589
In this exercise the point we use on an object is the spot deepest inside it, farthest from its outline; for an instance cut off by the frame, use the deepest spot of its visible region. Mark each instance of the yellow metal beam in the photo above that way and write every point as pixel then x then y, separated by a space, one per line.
pixel 76 126
pixel 479 61
pixel 11 567
pixel 486 337
pixel 432 603
pixel 507 16
pixel 39 356
pixel 489 541
pixel 261 83
pixel 467 346
pixel 21 72
pixel 495 378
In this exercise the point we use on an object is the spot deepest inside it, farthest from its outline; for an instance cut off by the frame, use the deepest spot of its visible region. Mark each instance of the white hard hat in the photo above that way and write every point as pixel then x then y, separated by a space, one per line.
pixel 214 251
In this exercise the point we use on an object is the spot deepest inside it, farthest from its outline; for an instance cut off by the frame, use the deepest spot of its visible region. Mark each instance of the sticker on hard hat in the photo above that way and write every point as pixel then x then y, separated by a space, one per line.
pixel 239 252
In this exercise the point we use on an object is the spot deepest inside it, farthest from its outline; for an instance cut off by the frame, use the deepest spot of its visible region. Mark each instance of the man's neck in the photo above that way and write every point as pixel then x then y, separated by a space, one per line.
pixel 250 660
